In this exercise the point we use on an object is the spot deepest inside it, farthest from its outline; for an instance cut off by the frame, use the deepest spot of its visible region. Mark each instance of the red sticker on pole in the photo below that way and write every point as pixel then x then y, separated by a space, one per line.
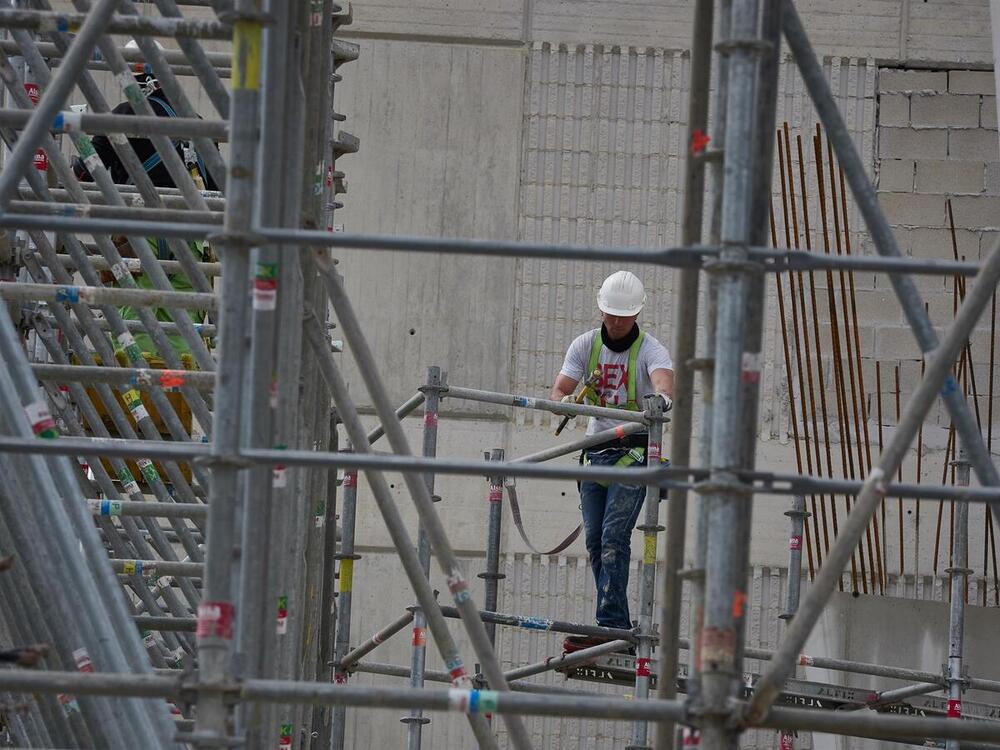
pixel 215 620
pixel 351 479
pixel 172 378
pixel 34 93
pixel 795 542
pixel 82 659
pixel 786 741
pixel 496 493
pixel 653 453
pixel 690 737
pixel 954 709
pixel 419 637
pixel 430 419
pixel 642 667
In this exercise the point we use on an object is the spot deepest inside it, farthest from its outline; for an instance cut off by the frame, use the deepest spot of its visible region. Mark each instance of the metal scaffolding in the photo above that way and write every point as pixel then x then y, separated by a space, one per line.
pixel 190 451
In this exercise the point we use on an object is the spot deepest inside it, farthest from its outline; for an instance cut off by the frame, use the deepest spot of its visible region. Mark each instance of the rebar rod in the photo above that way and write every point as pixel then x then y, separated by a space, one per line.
pixel 937 376
pixel 840 393
pixel 858 395
pixel 808 406
pixel 799 464
pixel 883 238
pixel 820 379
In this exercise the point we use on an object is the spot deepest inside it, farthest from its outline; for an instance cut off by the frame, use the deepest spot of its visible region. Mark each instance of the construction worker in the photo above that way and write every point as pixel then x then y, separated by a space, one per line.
pixel 631 364
pixel 160 177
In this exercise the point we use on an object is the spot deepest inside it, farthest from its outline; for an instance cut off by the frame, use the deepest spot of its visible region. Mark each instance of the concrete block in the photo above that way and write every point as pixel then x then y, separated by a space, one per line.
pixel 906 143
pixel 944 110
pixel 973 144
pixel 896 342
pixel 971 82
pixel 910 209
pixel 935 243
pixel 987 241
pixel 896 175
pixel 988 112
pixel 937 176
pixel 894 109
pixel 976 212
pixel 912 80
pixel 992 179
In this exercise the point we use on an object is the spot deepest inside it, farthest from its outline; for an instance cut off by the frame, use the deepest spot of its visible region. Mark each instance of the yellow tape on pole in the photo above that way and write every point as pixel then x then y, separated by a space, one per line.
pixel 246 56
pixel 346 575
pixel 649 549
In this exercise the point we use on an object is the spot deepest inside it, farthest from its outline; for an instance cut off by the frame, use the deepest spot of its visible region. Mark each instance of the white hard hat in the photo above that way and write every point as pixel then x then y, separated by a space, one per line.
pixel 133 44
pixel 621 294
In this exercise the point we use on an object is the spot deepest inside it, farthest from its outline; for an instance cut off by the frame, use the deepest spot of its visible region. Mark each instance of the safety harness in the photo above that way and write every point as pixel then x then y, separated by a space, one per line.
pixel 635 454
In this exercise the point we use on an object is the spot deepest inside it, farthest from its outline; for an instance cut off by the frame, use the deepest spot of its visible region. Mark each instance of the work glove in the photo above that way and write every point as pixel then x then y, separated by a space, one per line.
pixel 569 398
pixel 668 403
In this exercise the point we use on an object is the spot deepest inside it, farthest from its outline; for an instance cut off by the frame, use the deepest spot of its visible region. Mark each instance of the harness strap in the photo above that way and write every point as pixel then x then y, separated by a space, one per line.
pixel 515 512
pixel 632 456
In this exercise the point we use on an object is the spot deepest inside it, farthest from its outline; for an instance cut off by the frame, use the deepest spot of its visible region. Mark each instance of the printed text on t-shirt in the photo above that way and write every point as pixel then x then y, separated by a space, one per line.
pixel 614 378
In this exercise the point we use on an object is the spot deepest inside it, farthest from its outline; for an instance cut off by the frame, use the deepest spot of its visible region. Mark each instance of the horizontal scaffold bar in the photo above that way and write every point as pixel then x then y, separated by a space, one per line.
pixel 105 295
pixel 667 477
pixel 133 125
pixel 487 701
pixel 43 20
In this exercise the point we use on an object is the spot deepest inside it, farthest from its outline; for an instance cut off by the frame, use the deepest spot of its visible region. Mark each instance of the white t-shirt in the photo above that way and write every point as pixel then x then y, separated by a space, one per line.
pixel 613 385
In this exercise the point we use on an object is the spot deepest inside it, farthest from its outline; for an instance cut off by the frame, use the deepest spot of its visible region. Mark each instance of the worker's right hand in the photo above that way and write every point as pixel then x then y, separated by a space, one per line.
pixel 569 398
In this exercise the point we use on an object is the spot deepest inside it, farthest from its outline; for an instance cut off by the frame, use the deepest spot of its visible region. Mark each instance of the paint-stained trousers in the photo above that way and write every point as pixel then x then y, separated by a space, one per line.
pixel 609 515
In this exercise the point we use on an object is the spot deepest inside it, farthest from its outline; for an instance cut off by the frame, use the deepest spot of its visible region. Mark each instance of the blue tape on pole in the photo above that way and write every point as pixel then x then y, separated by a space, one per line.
pixel 950 384
pixel 536 623
pixel 62 25
pixel 57 124
pixel 69 294
pixel 105 507
pixel 474 702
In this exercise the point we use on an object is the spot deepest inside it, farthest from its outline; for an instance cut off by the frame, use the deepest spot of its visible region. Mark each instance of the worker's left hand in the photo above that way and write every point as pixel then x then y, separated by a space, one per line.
pixel 668 403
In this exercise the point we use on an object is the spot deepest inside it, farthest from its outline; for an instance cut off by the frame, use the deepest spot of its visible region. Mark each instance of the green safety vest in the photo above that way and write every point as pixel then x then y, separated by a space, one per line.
pixel 633 354
pixel 634 455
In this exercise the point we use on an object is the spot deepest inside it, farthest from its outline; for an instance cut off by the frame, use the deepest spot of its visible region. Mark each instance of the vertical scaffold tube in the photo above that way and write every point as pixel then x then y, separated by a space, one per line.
pixel 959 572
pixel 345 558
pixel 649 527
pixel 216 611
pixel 431 393
pixel 493 576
